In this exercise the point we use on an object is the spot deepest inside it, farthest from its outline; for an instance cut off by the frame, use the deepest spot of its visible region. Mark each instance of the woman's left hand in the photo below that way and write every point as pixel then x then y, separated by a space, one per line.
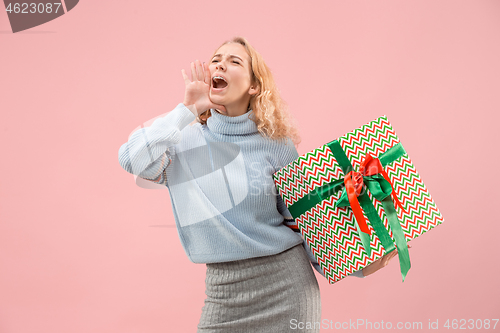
pixel 380 263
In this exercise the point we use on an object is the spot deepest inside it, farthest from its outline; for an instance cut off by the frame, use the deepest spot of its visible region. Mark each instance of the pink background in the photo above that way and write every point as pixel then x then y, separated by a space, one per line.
pixel 83 249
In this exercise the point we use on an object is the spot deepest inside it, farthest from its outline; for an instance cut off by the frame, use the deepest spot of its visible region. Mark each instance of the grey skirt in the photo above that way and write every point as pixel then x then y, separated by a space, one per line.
pixel 277 293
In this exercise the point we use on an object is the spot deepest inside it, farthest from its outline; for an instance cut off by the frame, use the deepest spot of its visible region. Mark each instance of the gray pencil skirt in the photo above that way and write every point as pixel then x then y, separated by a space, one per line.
pixel 267 294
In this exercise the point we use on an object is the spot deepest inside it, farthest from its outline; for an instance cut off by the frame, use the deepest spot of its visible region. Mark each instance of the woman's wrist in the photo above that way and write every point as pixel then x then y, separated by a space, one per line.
pixel 191 107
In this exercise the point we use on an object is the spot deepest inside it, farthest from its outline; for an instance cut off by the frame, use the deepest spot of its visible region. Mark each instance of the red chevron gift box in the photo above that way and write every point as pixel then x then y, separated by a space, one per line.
pixel 356 199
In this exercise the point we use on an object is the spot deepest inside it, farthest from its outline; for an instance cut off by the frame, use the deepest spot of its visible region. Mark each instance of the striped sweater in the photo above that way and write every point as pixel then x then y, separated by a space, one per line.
pixel 219 175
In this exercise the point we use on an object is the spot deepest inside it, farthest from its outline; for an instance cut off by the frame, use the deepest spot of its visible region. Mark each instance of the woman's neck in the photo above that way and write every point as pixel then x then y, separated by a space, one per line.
pixel 236 109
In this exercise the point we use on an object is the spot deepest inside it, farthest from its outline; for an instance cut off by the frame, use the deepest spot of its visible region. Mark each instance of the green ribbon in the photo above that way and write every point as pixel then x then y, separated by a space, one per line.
pixel 380 189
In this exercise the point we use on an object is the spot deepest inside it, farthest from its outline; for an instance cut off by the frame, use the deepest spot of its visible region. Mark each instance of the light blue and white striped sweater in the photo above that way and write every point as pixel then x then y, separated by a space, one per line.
pixel 219 176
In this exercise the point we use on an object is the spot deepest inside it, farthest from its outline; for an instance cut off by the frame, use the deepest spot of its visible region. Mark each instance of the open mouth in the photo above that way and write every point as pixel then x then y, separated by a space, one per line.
pixel 218 82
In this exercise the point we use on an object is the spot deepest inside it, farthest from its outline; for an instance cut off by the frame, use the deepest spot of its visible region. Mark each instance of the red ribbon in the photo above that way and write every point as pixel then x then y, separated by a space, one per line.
pixel 354 185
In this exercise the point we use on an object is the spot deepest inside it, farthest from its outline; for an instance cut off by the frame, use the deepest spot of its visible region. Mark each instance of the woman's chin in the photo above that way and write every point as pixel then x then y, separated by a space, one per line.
pixel 216 100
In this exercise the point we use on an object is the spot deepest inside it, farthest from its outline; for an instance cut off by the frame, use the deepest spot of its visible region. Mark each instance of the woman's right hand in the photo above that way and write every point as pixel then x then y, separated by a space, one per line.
pixel 198 89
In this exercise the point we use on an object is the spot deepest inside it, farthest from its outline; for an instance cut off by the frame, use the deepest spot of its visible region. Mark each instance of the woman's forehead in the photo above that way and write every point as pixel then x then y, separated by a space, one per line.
pixel 233 49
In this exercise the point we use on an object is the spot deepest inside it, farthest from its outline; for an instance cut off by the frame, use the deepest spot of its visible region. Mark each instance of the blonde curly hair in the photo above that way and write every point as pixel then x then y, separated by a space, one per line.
pixel 271 112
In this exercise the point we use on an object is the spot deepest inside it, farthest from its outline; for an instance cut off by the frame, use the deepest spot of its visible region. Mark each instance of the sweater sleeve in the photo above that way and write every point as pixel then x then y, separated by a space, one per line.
pixel 148 153
pixel 289 156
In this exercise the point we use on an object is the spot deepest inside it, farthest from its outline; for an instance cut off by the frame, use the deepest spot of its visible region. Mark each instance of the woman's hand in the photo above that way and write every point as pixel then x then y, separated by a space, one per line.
pixel 380 263
pixel 198 89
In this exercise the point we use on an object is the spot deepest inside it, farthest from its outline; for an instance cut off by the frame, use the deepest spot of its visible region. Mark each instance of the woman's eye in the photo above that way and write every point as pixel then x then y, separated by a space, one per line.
pixel 234 61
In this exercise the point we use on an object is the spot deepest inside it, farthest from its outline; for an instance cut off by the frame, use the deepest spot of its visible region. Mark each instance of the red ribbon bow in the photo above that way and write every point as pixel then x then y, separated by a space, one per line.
pixel 354 185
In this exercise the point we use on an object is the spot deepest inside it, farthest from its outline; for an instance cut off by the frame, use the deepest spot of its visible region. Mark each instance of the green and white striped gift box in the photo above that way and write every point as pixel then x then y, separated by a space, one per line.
pixel 332 232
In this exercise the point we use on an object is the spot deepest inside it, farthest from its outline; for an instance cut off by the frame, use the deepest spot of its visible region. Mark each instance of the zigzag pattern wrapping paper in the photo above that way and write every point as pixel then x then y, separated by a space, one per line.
pixel 331 231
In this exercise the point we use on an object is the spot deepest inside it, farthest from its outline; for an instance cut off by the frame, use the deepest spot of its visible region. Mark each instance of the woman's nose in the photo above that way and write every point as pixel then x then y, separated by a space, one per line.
pixel 219 66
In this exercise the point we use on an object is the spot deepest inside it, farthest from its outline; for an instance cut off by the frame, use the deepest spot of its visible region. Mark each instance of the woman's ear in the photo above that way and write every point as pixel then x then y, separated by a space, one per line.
pixel 254 89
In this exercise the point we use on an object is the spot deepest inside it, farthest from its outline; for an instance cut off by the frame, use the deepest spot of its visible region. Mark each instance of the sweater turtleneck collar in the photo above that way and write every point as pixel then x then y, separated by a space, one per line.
pixel 240 125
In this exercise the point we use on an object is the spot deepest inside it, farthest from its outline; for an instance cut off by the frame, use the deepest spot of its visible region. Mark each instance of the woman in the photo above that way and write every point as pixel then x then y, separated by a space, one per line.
pixel 226 207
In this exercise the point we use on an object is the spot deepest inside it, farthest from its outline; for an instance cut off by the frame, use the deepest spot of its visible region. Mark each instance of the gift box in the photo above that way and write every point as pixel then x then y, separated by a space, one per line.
pixel 356 199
